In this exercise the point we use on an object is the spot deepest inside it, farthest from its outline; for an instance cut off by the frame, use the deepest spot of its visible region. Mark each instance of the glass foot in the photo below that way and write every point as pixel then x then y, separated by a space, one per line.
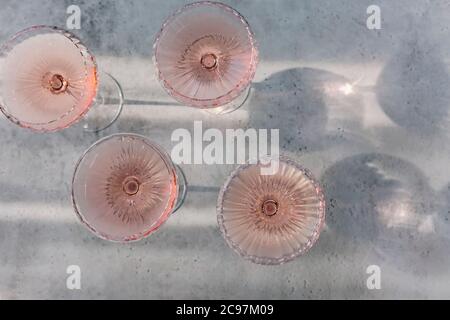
pixel 233 105
pixel 107 106
pixel 182 189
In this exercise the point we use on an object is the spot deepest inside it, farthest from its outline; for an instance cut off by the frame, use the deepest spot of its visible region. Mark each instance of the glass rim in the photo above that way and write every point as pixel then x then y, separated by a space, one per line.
pixel 243 84
pixel 287 257
pixel 40 126
pixel 160 221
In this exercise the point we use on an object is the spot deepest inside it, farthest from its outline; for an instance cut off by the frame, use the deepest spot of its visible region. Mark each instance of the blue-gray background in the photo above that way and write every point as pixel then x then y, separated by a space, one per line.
pixel 381 153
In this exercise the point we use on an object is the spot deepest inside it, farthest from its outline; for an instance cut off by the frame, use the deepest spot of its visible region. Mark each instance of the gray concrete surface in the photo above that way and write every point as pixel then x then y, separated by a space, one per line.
pixel 381 153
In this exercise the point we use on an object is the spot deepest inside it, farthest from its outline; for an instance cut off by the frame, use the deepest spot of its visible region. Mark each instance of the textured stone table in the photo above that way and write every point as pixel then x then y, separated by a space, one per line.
pixel 381 153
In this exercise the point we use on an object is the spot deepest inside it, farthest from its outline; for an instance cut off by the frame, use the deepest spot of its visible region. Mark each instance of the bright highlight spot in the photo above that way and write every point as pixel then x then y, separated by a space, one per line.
pixel 347 89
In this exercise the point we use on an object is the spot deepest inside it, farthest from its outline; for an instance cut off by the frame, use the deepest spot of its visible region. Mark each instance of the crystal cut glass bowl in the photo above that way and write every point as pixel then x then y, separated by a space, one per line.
pixel 271 219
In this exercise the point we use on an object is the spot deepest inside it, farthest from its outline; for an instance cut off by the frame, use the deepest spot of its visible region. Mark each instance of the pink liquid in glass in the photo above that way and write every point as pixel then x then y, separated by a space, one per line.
pixel 49 79
pixel 206 55
pixel 271 219
pixel 124 187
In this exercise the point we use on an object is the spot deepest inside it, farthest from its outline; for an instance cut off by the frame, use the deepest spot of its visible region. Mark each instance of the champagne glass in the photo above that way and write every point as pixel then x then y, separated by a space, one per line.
pixel 49 80
pixel 206 56
pixel 271 219
pixel 125 187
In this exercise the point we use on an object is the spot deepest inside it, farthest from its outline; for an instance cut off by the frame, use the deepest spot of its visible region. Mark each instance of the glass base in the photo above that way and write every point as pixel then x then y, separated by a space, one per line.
pixel 182 188
pixel 107 105
pixel 233 105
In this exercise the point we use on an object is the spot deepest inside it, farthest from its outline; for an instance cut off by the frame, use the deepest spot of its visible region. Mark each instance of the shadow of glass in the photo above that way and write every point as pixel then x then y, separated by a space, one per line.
pixel 308 107
pixel 413 88
pixel 383 205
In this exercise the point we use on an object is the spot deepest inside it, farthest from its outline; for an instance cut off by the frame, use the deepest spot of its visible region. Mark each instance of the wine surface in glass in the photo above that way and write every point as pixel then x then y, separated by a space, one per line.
pixel 206 54
pixel 124 188
pixel 47 81
pixel 271 219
